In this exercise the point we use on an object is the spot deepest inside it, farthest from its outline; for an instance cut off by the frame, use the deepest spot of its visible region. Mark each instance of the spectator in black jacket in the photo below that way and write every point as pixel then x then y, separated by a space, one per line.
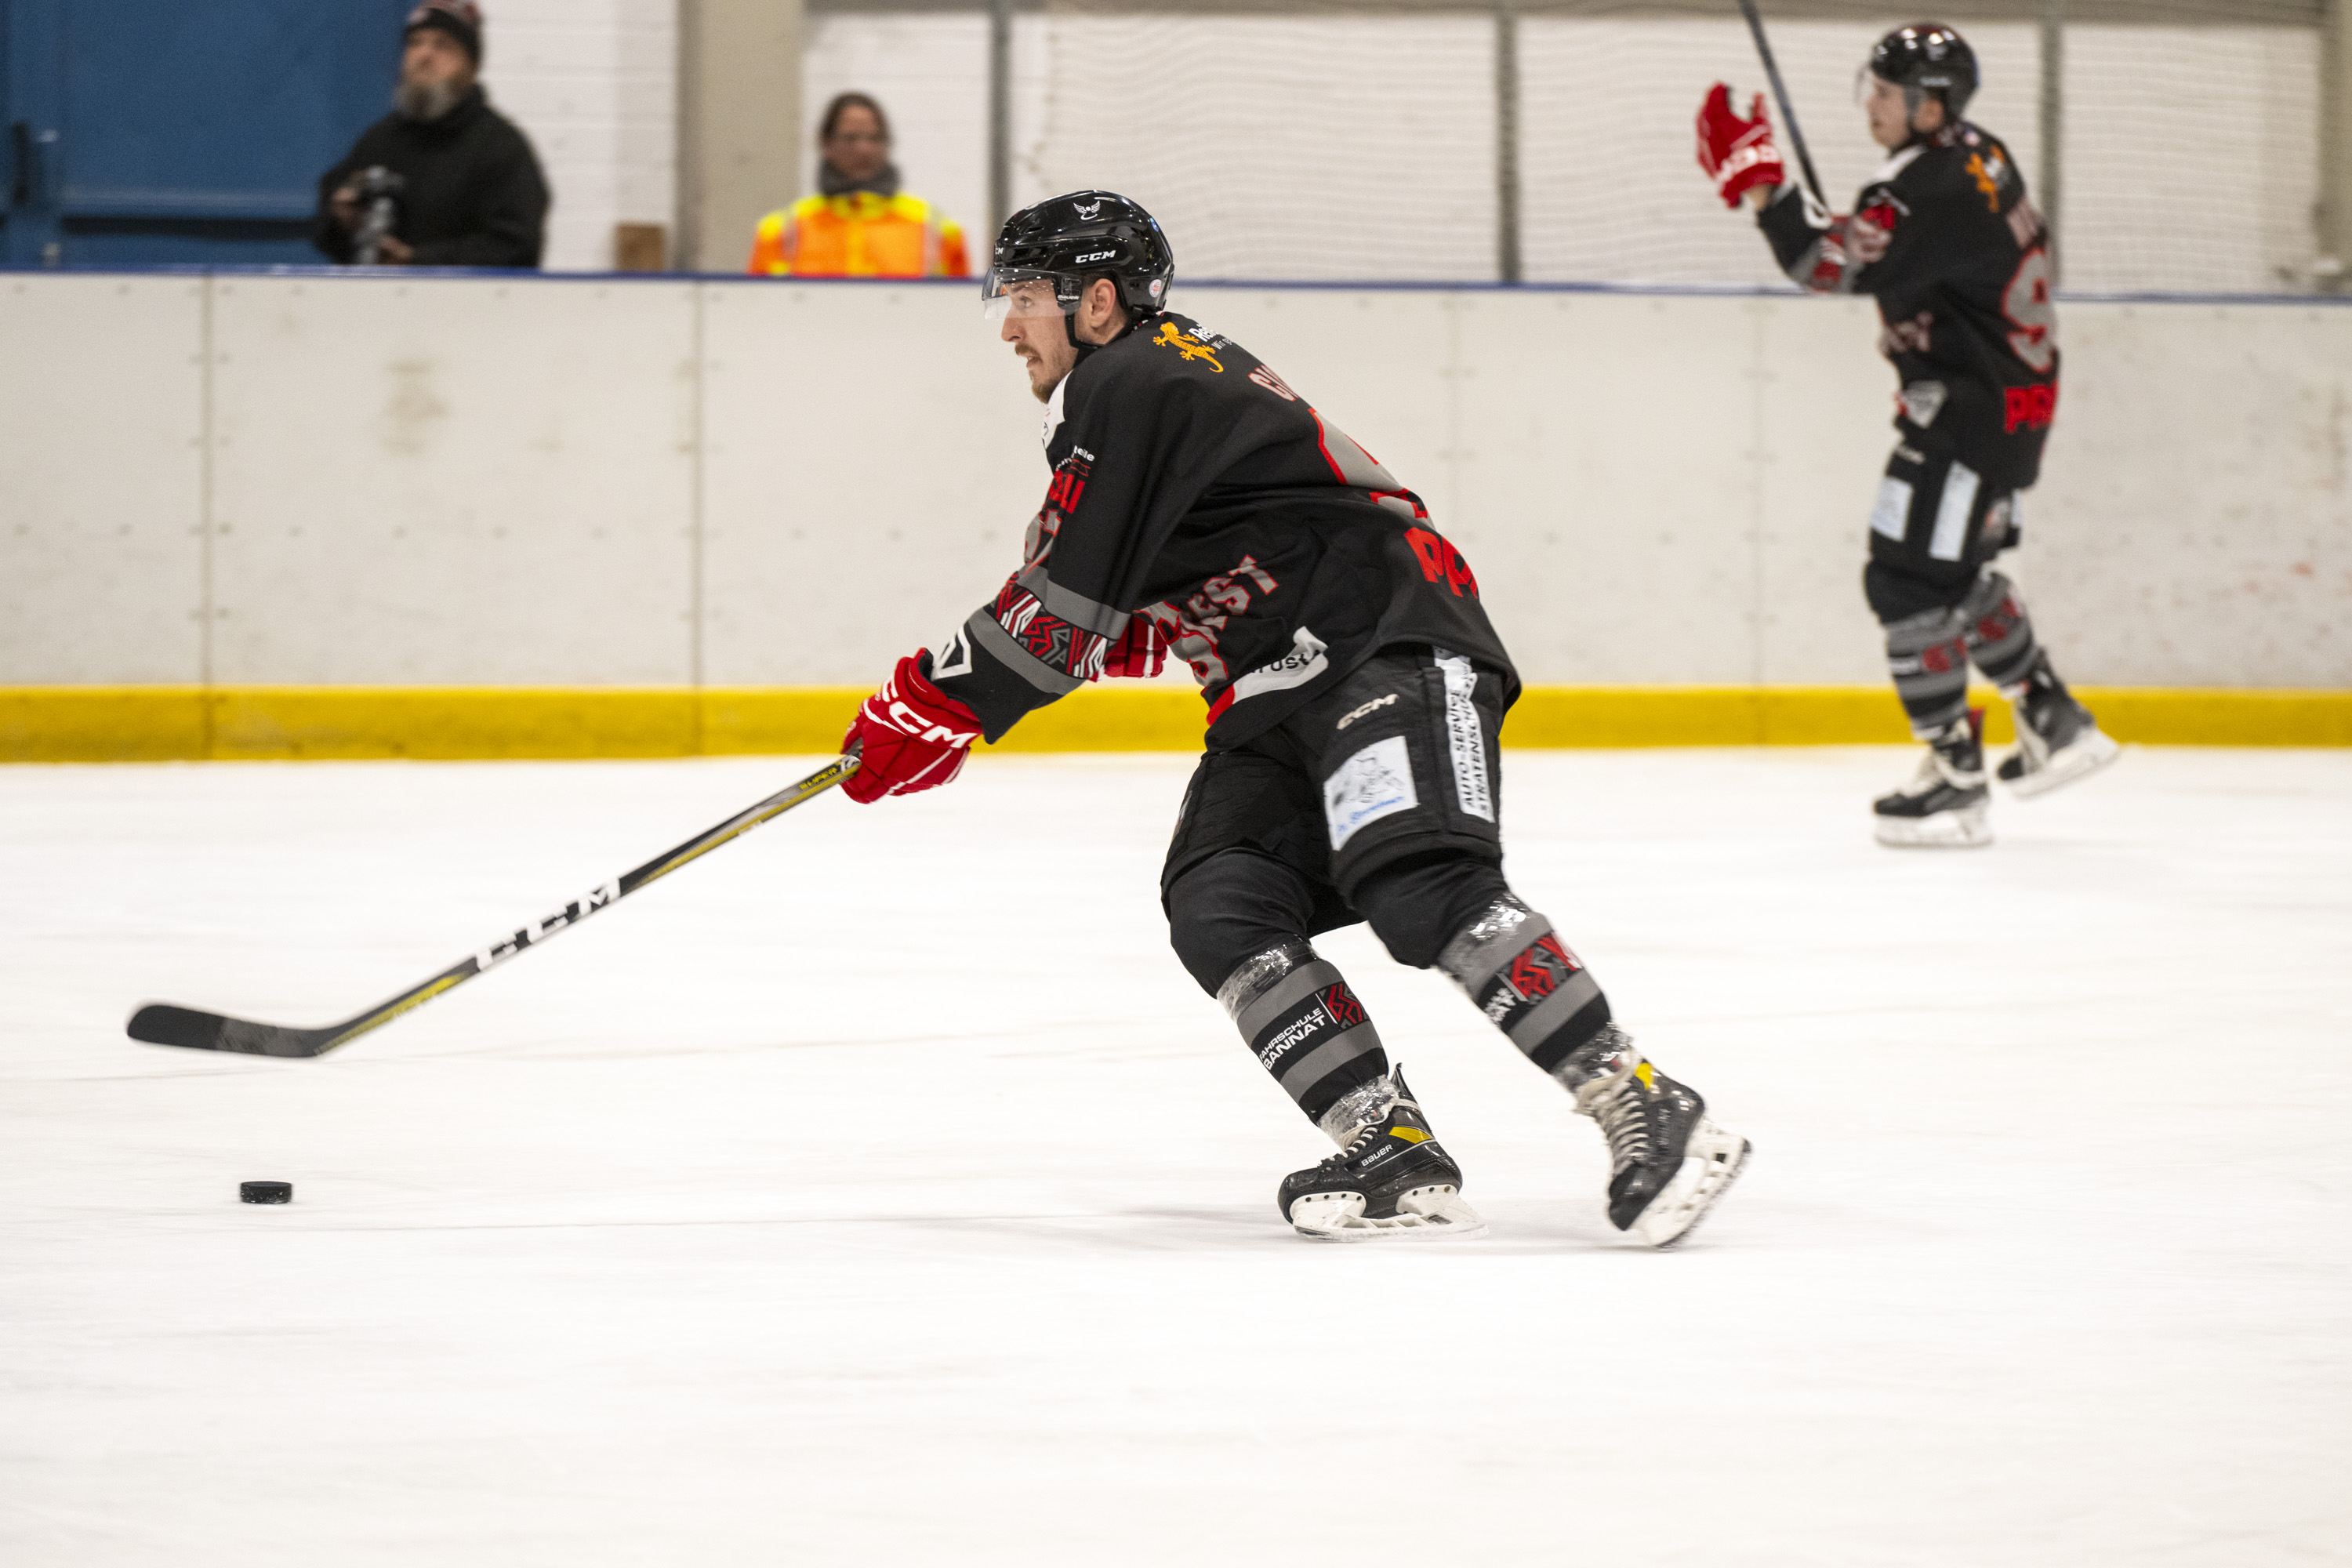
pixel 473 194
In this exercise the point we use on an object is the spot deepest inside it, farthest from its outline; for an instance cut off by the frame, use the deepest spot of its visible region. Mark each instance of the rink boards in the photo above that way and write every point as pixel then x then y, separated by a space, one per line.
pixel 313 514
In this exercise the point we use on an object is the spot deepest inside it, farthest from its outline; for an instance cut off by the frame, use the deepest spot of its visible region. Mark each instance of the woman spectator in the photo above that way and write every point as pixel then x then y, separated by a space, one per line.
pixel 859 224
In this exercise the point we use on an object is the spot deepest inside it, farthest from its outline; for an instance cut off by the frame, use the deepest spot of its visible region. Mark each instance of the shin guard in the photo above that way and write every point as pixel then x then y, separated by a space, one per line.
pixel 1305 1027
pixel 1527 982
pixel 1927 655
pixel 2000 634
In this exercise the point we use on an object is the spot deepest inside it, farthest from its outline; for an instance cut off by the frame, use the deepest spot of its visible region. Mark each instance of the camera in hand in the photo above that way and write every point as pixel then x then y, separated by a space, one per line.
pixel 379 203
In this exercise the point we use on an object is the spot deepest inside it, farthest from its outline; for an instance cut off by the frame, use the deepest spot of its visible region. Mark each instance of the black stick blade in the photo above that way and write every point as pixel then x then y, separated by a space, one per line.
pixel 160 1023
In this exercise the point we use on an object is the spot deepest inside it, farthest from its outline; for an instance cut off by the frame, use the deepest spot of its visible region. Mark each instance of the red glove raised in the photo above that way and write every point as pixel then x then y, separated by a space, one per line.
pixel 913 736
pixel 1139 653
pixel 1738 155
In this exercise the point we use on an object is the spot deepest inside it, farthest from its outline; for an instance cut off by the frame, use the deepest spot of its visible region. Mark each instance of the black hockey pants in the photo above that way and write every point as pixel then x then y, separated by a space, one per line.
pixel 1938 523
pixel 1377 802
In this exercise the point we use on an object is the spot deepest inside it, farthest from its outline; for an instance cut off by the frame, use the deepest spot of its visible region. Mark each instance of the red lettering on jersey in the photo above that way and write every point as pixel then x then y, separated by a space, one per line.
pixel 2031 407
pixel 1063 492
pixel 1441 561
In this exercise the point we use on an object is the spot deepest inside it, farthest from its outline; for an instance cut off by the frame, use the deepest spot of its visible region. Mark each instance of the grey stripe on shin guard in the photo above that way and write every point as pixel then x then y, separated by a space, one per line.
pixel 1299 1077
pixel 1501 930
pixel 1539 1022
pixel 1297 1016
pixel 1928 656
pixel 1271 984
pixel 1999 633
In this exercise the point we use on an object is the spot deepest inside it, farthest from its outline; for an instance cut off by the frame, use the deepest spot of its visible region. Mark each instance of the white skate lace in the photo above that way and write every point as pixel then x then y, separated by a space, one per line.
pixel 1616 1103
pixel 1361 1136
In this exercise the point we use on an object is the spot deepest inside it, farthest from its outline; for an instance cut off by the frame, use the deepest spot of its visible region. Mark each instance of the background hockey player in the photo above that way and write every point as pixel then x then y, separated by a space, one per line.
pixel 1943 238
pixel 1355 692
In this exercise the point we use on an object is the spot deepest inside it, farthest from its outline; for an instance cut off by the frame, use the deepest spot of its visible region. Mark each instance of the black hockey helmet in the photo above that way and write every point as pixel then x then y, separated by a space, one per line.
pixel 1073 240
pixel 1928 57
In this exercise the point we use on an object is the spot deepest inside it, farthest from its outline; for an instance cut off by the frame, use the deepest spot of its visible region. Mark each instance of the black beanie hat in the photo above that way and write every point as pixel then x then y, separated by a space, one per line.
pixel 461 20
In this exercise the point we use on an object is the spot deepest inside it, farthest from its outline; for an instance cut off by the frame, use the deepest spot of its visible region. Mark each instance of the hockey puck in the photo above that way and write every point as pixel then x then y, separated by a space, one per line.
pixel 265 1191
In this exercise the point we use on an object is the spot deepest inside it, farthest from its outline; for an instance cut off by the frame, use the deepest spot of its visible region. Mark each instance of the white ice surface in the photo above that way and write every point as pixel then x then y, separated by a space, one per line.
pixel 880 1191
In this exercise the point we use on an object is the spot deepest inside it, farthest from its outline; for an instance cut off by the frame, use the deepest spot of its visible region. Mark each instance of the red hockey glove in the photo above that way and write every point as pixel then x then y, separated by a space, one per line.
pixel 915 737
pixel 1139 654
pixel 1737 153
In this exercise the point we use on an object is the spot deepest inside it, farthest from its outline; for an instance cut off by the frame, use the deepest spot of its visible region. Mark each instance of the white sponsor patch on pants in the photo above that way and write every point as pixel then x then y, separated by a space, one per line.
pixel 1952 510
pixel 1894 507
pixel 1466 738
pixel 1376 782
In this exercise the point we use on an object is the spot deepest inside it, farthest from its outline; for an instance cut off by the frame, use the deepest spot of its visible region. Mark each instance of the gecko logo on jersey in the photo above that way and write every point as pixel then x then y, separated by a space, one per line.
pixel 1172 336
pixel 2030 406
pixel 547 926
pixel 1355 713
pixel 1988 174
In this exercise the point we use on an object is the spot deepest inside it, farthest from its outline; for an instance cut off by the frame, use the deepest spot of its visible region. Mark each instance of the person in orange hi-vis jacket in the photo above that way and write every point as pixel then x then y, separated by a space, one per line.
pixel 860 224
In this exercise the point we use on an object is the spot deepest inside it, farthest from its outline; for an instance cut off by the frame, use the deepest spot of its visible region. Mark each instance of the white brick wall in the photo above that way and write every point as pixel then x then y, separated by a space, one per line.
pixel 594 84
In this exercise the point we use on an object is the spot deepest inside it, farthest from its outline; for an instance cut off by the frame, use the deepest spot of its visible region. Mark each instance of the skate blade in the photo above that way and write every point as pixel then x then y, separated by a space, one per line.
pixel 1711 1161
pixel 1963 829
pixel 1427 1214
pixel 2089 753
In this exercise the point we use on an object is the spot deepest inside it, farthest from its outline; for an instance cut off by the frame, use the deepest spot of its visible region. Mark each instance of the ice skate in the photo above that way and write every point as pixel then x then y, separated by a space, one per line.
pixel 2058 742
pixel 1391 1179
pixel 1668 1164
pixel 1944 806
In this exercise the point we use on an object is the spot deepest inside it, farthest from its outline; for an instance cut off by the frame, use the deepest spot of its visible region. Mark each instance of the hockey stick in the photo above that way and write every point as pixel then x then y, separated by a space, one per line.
pixel 160 1023
pixel 1780 97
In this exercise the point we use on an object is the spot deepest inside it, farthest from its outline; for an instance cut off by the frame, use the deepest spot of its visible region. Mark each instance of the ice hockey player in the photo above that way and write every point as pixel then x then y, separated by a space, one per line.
pixel 1354 689
pixel 1945 239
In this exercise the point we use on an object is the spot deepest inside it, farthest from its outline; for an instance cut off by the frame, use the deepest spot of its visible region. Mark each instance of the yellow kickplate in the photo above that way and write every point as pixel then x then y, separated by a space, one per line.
pixel 161 723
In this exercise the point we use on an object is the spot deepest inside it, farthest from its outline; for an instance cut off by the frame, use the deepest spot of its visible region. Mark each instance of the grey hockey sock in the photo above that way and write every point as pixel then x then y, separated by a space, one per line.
pixel 1927 655
pixel 1525 979
pixel 1305 1027
pixel 2000 634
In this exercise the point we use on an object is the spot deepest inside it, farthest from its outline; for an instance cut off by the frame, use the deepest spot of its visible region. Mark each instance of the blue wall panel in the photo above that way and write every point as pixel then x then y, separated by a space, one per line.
pixel 168 131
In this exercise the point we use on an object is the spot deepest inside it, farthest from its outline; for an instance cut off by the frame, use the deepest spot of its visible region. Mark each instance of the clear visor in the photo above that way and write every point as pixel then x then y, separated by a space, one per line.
pixel 1018 292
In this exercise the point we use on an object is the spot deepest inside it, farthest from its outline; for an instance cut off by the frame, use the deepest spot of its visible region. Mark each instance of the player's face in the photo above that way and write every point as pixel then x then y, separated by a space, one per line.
pixel 1033 326
pixel 1890 120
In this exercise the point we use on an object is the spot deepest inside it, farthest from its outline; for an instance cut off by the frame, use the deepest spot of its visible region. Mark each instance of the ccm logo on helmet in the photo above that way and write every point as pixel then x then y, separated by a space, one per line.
pixel 1094 256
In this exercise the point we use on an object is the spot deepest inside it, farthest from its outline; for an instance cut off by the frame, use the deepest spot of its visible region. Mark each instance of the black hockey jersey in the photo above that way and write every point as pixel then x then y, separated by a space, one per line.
pixel 1193 487
pixel 1945 239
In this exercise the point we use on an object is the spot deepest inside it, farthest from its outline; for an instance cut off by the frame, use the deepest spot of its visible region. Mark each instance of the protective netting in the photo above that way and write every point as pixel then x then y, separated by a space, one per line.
pixel 1294 140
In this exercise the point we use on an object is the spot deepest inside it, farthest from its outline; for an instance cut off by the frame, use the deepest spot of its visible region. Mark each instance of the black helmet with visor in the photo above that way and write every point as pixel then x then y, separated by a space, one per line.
pixel 1927 57
pixel 1071 241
